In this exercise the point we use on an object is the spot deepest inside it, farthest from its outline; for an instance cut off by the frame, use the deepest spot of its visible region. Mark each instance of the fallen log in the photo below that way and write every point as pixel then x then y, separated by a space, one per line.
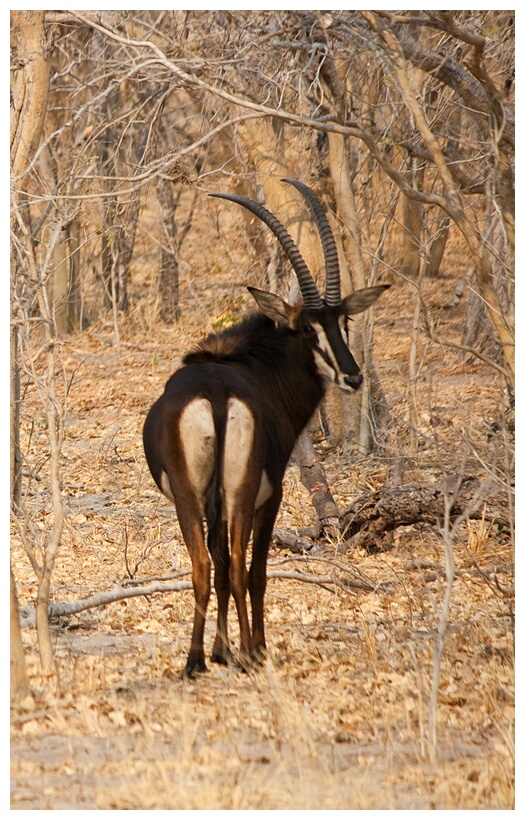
pixel 368 519
pixel 292 541
pixel 314 479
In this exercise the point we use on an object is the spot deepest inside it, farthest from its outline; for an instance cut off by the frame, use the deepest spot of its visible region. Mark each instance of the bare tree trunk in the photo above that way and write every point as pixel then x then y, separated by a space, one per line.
pixel 74 299
pixel 54 431
pixel 59 283
pixel 15 453
pixel 314 479
pixel 20 689
pixel 119 223
pixel 358 415
pixel 29 90
pixel 169 264
pixel 127 228
pixel 478 332
pixel 412 226
pixel 506 198
pixel 412 366
pixel 112 296
pixel 29 87
pixel 437 248
pixel 123 149
pixel 353 414
pixel 353 271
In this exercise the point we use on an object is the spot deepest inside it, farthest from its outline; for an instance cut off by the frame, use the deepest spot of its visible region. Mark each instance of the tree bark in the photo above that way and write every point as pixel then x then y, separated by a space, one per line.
pixel 20 689
pixel 29 88
pixel 314 479
pixel 15 452
pixel 29 91
pixel 357 416
pixel 169 264
pixel 354 426
pixel 412 225
pixel 74 297
pixel 437 249
pixel 60 283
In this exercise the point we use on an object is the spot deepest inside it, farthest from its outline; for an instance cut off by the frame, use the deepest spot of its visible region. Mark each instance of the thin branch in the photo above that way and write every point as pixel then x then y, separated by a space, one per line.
pixel 121 592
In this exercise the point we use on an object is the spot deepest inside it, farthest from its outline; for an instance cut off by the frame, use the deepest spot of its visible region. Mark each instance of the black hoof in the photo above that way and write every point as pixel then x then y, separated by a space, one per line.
pixel 192 669
pixel 245 662
pixel 258 655
pixel 224 658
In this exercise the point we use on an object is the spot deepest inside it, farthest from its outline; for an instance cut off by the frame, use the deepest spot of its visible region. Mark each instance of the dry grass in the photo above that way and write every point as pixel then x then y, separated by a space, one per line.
pixel 337 717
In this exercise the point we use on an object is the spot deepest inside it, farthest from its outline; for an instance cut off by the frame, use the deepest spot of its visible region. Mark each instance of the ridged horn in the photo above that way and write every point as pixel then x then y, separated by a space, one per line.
pixel 331 259
pixel 311 297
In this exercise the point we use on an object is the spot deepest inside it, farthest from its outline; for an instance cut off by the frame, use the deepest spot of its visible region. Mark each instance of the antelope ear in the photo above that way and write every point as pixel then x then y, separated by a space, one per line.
pixel 275 308
pixel 360 300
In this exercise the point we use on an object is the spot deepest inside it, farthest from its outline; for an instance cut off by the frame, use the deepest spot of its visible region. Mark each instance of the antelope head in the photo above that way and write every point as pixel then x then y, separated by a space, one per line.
pixel 322 321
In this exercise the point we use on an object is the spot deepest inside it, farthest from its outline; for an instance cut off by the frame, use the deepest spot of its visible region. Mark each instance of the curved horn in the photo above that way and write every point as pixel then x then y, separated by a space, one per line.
pixel 308 287
pixel 331 258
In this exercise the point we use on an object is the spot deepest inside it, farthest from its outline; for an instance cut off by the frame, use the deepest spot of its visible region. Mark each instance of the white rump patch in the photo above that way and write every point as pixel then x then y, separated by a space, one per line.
pixel 197 435
pixel 265 491
pixel 165 486
pixel 240 426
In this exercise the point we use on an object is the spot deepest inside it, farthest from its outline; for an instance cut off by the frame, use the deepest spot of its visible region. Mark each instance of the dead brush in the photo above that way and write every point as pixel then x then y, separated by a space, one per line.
pixel 479 533
pixel 369 638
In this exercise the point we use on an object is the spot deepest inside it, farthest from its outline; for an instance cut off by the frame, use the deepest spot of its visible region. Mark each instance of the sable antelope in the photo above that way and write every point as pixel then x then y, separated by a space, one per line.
pixel 218 440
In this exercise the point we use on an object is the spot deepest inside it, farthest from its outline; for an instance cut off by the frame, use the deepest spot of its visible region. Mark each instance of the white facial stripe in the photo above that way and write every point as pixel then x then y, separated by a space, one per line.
pixel 325 368
pixel 325 359
pixel 197 434
pixel 238 444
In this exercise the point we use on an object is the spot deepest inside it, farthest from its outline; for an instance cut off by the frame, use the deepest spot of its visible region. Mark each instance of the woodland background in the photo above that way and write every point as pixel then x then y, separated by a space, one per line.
pixel 389 681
